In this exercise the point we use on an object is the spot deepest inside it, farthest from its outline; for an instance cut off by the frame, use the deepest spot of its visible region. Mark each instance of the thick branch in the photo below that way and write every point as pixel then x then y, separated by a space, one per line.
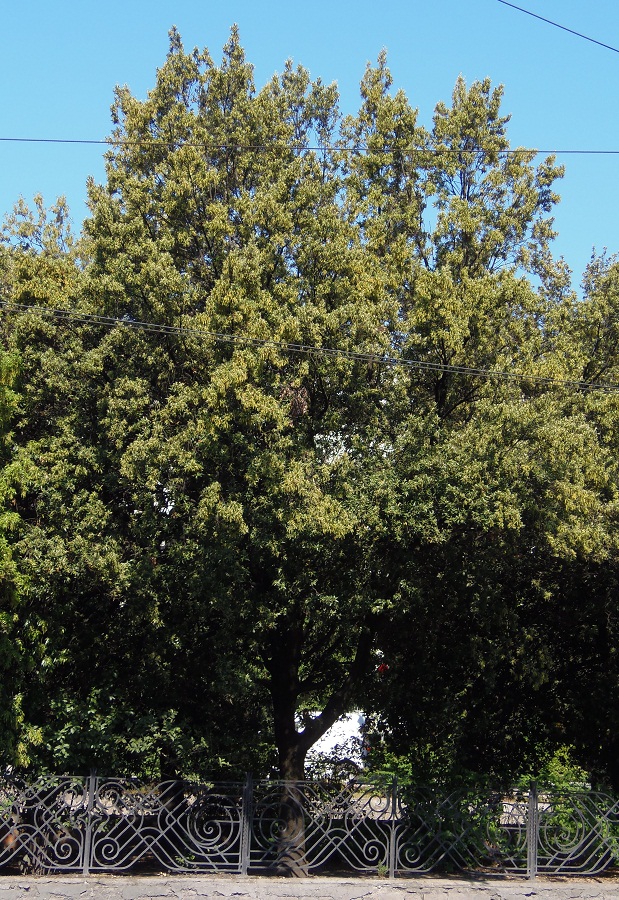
pixel 339 700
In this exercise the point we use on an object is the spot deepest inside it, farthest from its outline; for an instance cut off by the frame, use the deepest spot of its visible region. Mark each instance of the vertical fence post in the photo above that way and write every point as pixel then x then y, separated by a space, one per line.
pixel 247 806
pixel 532 830
pixel 393 826
pixel 91 787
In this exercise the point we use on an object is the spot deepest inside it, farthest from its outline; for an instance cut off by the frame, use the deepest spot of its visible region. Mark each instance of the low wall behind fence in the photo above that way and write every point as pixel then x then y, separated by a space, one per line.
pixel 93 824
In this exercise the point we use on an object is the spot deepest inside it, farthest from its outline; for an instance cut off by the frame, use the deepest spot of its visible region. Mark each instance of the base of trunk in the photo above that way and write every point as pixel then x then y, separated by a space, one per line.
pixel 291 860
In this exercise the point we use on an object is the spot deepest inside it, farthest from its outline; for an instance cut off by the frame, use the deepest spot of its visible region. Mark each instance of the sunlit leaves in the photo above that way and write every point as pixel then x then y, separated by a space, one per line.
pixel 215 521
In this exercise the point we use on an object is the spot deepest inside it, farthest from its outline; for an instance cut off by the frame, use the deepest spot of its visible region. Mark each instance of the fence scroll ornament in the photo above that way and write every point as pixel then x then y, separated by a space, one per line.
pixel 64 824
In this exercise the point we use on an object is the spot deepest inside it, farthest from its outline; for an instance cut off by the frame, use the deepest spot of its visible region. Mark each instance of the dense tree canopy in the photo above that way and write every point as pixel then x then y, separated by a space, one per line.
pixel 273 465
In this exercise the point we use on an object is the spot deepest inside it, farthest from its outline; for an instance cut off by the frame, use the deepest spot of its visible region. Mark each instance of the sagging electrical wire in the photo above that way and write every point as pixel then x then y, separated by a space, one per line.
pixel 557 25
pixel 373 358
pixel 300 148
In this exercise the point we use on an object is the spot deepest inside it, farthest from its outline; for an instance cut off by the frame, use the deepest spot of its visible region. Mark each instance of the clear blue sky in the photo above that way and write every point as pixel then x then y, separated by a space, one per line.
pixel 60 61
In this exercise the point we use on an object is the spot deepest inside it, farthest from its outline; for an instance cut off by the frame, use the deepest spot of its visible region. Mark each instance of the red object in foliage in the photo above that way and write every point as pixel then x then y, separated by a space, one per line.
pixel 382 669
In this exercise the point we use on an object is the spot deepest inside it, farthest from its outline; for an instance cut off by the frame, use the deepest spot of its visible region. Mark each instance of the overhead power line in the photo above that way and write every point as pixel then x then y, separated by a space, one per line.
pixel 357 148
pixel 556 25
pixel 306 349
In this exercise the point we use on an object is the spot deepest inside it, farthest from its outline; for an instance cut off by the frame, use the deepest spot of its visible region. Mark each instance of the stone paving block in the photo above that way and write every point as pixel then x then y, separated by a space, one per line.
pixel 117 887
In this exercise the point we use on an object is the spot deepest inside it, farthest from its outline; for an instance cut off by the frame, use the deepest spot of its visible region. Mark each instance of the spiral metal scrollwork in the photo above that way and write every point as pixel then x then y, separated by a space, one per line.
pixel 181 826
pixel 347 826
pixel 87 824
pixel 578 832
pixel 463 830
pixel 42 823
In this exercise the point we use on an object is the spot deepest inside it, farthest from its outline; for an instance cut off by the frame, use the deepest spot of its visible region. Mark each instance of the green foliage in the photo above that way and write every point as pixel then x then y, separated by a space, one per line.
pixel 561 772
pixel 15 735
pixel 218 535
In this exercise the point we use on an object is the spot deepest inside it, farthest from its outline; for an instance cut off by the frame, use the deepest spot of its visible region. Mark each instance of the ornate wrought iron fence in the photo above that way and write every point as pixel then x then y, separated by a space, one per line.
pixel 61 824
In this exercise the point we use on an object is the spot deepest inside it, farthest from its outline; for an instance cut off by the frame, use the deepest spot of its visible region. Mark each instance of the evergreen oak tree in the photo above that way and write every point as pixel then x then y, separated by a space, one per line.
pixel 225 528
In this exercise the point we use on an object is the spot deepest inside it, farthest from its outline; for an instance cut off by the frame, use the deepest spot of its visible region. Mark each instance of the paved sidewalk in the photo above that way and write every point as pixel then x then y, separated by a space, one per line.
pixel 180 887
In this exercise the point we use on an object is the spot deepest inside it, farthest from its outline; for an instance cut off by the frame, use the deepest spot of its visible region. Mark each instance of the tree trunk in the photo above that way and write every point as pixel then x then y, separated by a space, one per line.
pixel 284 671
pixel 291 848
pixel 283 664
